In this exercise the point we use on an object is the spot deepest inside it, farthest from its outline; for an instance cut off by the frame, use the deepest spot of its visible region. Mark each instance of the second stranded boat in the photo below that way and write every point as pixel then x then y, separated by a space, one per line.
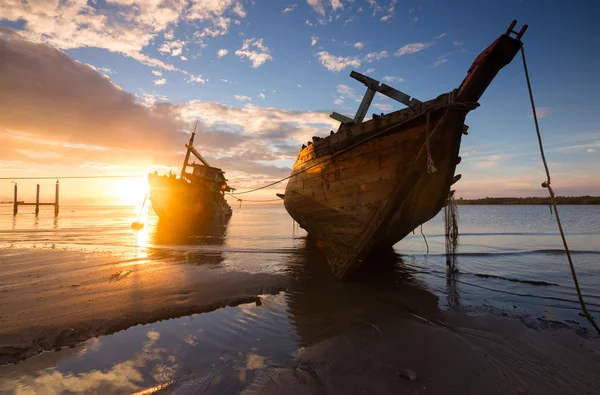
pixel 370 184
pixel 195 199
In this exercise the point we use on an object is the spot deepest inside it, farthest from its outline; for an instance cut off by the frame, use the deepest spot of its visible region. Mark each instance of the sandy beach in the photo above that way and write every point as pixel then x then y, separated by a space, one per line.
pixel 353 339
pixel 53 298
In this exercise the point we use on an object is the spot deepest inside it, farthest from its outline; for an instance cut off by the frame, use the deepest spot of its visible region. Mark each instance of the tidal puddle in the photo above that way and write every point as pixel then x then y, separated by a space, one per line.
pixel 226 350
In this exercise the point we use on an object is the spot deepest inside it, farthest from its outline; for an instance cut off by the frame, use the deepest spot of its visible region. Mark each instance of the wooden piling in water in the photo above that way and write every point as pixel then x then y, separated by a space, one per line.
pixel 56 200
pixel 37 200
pixel 15 204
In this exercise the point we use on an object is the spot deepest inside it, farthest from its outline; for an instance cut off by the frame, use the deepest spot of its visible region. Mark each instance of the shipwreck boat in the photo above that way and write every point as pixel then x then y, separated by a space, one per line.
pixel 195 198
pixel 372 182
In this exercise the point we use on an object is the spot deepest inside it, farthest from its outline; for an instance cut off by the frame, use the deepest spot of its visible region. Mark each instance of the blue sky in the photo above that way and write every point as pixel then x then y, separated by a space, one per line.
pixel 262 76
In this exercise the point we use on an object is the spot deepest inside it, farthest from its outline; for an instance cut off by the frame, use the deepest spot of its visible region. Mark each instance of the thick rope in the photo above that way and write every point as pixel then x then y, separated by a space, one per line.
pixel 547 185
pixel 430 165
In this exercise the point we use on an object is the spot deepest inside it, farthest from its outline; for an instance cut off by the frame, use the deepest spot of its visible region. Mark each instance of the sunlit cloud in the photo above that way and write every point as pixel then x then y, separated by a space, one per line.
pixel 289 9
pixel 358 45
pixel 337 63
pixel 392 79
pixel 313 40
pixel 222 52
pixel 255 51
pixel 375 56
pixel 160 81
pixel 412 48
pixel 242 98
pixel 157 73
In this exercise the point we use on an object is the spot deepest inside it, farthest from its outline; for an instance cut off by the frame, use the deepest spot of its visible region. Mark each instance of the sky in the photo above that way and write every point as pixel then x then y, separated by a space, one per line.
pixel 113 87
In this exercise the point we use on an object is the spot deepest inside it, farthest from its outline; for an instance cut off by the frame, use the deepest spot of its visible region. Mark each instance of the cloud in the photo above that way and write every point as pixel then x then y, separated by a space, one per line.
pixel 542 112
pixel 222 52
pixel 94 123
pixel 122 26
pixel 591 150
pixel 299 85
pixel 457 43
pixel 183 58
pixel 487 161
pixel 160 81
pixel 174 48
pixel 393 80
pixel 197 79
pixel 336 5
pixel 370 70
pixel 261 95
pixel 254 50
pixel 313 40
pixel 415 19
pixel 383 106
pixel 345 90
pixel 412 48
pixel 48 95
pixel 440 36
pixel 375 56
pixel 317 6
pixel 337 63
pixel 289 8
pixel 224 80
pixel 358 45
pixel 442 59
pixel 242 98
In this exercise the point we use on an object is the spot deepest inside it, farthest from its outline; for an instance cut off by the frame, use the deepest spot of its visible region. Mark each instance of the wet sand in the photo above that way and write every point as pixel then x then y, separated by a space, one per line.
pixel 53 298
pixel 383 334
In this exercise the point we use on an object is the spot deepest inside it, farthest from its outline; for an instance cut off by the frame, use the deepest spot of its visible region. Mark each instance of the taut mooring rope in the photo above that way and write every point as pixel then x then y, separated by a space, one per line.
pixel 547 185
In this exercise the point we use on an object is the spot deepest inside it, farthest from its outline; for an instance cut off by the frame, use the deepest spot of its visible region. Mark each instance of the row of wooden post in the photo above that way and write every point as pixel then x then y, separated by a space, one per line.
pixel 37 203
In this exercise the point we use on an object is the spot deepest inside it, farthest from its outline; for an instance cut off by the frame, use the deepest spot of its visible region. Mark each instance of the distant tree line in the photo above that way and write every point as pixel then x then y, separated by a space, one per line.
pixel 530 200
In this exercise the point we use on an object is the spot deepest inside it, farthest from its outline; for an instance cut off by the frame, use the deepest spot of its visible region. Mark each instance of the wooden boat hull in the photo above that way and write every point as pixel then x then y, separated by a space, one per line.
pixel 369 185
pixel 372 196
pixel 174 200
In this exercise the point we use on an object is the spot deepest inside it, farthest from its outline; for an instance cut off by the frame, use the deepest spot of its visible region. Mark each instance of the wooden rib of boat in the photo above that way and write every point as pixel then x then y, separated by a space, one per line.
pixel 370 184
pixel 193 198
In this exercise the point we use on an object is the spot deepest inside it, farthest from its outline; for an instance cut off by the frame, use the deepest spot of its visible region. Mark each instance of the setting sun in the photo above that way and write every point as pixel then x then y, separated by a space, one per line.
pixel 130 192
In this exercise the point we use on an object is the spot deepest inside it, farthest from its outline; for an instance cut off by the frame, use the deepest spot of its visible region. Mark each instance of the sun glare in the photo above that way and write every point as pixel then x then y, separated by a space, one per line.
pixel 131 192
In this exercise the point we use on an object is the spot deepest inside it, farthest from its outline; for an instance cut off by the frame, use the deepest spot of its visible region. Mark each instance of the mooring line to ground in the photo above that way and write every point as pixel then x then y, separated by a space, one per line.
pixel 547 185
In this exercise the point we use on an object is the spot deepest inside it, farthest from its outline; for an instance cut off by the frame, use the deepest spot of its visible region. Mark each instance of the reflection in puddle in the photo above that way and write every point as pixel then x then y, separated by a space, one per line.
pixel 227 349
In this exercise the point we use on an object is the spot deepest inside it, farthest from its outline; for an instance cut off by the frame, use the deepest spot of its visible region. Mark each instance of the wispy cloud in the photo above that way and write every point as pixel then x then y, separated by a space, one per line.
pixel 242 98
pixel 289 8
pixel 254 50
pixel 442 59
pixel 369 70
pixel 412 48
pixel 222 52
pixel 542 112
pixel 393 80
pixel 383 106
pixel 358 45
pixel 440 36
pixel 337 63
pixel 160 81
pixel 458 43
pixel 375 56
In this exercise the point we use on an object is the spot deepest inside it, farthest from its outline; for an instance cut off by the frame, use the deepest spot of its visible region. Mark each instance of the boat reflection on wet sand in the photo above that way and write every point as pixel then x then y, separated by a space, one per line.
pixel 384 334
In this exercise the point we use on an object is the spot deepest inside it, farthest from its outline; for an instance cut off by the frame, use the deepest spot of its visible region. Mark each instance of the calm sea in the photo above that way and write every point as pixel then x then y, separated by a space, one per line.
pixel 510 258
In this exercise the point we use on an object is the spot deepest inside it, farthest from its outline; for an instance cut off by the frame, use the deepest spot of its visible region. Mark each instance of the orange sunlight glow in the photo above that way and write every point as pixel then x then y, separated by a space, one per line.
pixel 130 192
